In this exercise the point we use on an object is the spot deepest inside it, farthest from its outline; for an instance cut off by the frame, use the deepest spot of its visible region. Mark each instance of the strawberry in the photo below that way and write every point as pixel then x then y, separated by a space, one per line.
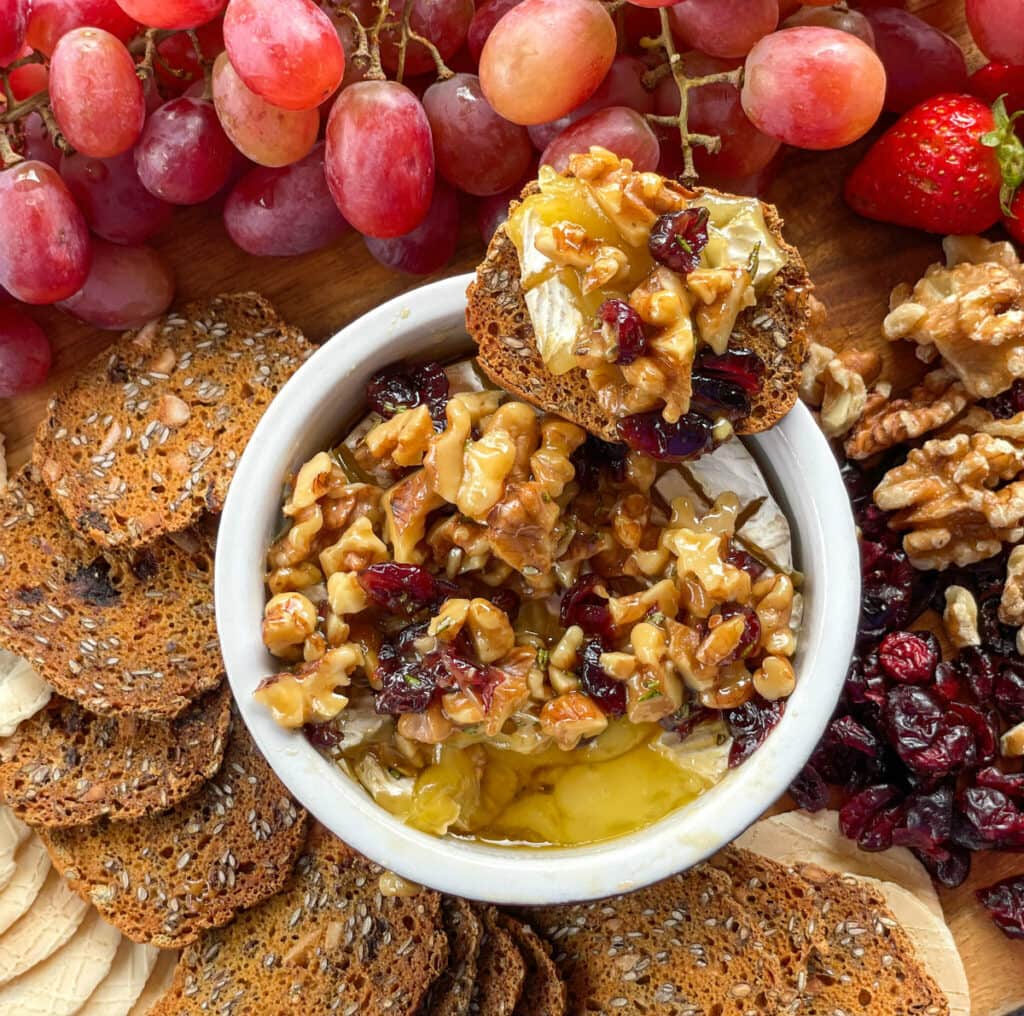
pixel 949 165
pixel 1014 221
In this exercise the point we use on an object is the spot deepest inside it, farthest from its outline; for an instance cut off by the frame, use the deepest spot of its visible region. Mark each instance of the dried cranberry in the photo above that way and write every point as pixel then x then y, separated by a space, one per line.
pixel 809 789
pixel 997 637
pixel 739 558
pixel 927 819
pixel 608 693
pixel 678 238
pixel 595 458
pixel 322 735
pixel 401 387
pixel 650 433
pixel 1008 403
pixel 998 820
pixel 1005 902
pixel 406 681
pixel 874 525
pixel 750 724
pixel 878 835
pixel 846 731
pixel 402 588
pixel 983 726
pixel 506 600
pixel 924 734
pixel 1011 784
pixel 741 367
pixel 1009 689
pixel 625 328
pixel 712 397
pixel 887 590
pixel 948 682
pixel 909 657
pixel 865 683
pixel 948 866
pixel 583 605
pixel 978 669
pixel 751 629
pixel 687 718
pixel 856 815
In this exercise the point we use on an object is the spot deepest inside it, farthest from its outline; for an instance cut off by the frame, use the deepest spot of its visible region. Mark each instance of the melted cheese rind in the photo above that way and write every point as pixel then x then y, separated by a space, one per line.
pixel 22 692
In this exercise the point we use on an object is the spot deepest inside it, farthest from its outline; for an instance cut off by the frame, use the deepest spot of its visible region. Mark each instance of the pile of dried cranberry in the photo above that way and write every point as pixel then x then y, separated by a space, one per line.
pixel 914 742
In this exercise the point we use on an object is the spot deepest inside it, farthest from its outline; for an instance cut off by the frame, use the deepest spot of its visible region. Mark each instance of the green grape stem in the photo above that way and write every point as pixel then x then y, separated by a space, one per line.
pixel 674 65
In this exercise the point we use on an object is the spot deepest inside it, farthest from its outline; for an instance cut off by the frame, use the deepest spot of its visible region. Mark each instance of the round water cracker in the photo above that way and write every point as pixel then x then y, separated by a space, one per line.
pixel 13 832
pixel 22 692
pixel 67 767
pixel 54 916
pixel 60 984
pixel 796 837
pixel 451 992
pixel 680 946
pixel 146 439
pixel 159 982
pixel 543 990
pixel 32 865
pixel 116 635
pixel 166 878
pixel 123 985
pixel 329 943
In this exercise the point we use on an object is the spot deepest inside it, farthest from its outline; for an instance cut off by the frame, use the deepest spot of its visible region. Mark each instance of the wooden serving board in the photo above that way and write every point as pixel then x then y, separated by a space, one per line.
pixel 854 263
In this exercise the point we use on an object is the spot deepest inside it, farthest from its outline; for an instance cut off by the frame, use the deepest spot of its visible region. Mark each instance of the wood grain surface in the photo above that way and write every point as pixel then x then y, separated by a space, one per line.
pixel 854 263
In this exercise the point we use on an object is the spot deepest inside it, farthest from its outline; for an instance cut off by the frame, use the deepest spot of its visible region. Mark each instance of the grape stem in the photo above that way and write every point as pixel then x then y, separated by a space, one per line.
pixel 674 65
pixel 408 34
pixel 8 156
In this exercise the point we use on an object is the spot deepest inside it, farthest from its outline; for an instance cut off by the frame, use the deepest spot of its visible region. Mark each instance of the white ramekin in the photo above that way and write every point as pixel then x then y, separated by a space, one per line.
pixel 307 416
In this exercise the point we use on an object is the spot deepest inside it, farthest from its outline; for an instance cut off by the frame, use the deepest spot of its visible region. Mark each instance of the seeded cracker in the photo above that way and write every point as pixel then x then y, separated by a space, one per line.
pixel 451 992
pixel 147 438
pixel 117 636
pixel 329 943
pixel 543 990
pixel 681 947
pixel 501 969
pixel 166 878
pixel 497 318
pixel 68 767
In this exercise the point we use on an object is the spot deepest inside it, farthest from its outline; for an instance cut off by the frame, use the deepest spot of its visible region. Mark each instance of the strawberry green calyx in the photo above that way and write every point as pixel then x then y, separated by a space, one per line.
pixel 1008 150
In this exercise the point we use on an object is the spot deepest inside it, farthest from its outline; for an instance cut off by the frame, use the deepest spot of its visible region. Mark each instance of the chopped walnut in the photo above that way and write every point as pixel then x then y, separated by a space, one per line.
pixel 972 315
pixel 960 617
pixel 569 718
pixel 838 384
pixel 1011 603
pixel 310 695
pixel 567 243
pixel 404 438
pixel 1011 744
pixel 957 497
pixel 521 530
pixel 406 507
pixel 885 423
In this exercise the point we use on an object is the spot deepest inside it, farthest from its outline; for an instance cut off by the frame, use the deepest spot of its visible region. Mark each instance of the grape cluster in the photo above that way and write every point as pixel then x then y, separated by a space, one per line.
pixel 299 120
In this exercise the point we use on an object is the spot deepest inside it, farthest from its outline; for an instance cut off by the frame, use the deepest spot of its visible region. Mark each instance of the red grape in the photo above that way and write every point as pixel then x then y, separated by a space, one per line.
pixel 265 133
pixel 13 25
pixel 619 129
pixel 840 18
pixel 126 287
pixel 813 87
pixel 622 86
pixel 45 249
pixel 286 51
pixel 477 150
pixel 95 92
pixel 28 79
pixel 52 19
pixel 184 156
pixel 996 79
pixel 546 57
pixel 178 54
pixel 173 13
pixel 280 212
pixel 998 28
pixel 488 14
pixel 380 158
pixel 24 352
pixel 428 247
pixel 723 28
pixel 715 109
pixel 919 60
pixel 444 22
pixel 115 204
pixel 653 3
pixel 38 145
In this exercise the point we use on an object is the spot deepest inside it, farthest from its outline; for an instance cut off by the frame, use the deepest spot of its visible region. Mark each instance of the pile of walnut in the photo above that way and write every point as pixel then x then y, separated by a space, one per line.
pixel 492 502
pixel 959 496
